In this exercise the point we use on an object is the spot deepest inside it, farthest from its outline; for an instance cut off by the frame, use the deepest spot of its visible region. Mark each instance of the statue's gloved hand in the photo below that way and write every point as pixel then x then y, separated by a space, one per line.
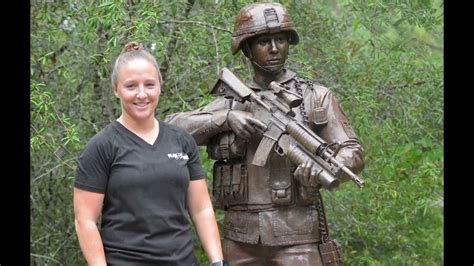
pixel 243 124
pixel 352 159
pixel 307 174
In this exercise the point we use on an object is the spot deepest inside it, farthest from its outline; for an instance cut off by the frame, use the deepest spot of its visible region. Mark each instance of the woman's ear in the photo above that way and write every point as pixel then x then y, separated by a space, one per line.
pixel 114 89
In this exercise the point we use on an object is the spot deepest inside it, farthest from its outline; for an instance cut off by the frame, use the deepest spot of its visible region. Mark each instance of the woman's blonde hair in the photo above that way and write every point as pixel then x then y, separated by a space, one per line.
pixel 131 51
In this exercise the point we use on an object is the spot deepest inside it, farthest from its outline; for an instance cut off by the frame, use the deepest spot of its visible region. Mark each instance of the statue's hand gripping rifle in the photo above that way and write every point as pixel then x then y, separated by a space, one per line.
pixel 284 134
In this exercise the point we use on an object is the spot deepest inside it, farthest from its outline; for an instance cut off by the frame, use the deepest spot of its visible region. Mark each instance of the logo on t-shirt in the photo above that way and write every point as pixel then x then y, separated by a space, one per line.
pixel 178 156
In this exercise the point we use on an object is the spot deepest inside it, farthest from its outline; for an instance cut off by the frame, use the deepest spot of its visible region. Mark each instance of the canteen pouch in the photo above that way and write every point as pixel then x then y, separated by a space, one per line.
pixel 331 253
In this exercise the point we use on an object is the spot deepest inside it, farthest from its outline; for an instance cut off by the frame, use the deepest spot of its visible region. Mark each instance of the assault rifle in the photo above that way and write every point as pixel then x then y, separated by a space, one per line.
pixel 284 134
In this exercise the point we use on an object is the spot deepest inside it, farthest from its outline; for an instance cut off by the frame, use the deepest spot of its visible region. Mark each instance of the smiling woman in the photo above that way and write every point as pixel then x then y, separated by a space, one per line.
pixel 142 177
pixel 138 89
pixel 136 81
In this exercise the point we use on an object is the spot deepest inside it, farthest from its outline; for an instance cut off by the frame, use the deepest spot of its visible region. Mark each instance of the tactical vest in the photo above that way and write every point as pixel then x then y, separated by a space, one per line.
pixel 240 185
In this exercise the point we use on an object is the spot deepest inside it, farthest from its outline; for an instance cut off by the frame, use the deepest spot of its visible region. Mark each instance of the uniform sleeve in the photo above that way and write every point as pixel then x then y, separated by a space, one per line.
pixel 202 123
pixel 93 167
pixel 195 169
pixel 339 130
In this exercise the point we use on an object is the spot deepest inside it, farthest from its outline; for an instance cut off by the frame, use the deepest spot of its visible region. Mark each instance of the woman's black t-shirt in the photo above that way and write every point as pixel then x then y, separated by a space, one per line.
pixel 144 217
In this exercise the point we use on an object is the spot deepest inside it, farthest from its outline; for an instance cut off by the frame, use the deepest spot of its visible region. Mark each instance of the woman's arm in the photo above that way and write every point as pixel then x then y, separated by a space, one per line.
pixel 87 208
pixel 202 214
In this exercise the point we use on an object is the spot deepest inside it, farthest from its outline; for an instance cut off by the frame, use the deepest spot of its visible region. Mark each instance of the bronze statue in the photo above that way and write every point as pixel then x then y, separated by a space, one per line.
pixel 275 145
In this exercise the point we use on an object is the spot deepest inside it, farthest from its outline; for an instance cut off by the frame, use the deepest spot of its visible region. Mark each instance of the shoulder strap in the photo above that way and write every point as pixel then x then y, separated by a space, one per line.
pixel 299 90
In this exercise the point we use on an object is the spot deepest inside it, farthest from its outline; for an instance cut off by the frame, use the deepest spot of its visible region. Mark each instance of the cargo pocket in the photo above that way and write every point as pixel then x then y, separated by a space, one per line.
pixel 293 221
pixel 236 221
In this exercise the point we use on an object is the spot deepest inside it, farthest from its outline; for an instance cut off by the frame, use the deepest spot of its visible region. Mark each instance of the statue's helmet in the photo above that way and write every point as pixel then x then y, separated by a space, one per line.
pixel 261 18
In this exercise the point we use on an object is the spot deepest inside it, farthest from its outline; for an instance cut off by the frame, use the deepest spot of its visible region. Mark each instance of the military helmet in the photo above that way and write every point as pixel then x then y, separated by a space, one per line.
pixel 260 18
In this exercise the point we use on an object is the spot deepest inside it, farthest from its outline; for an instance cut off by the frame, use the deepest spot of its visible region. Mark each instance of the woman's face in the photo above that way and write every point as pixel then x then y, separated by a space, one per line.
pixel 138 89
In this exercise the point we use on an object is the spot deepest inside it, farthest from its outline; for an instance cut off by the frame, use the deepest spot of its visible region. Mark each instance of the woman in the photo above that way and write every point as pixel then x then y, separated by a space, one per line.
pixel 142 177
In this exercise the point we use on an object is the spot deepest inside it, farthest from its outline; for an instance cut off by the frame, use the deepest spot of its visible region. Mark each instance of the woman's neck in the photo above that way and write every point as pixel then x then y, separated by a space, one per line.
pixel 142 126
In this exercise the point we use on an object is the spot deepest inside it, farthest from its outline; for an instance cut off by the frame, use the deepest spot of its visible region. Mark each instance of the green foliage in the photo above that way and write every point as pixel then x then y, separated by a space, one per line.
pixel 383 60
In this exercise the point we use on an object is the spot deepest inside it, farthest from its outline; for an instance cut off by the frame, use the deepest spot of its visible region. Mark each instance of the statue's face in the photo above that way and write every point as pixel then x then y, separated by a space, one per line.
pixel 270 51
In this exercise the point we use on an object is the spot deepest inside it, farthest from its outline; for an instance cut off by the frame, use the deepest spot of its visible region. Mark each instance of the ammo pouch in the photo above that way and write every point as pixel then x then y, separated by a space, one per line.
pixel 226 146
pixel 229 186
pixel 331 253
pixel 281 191
pixel 280 180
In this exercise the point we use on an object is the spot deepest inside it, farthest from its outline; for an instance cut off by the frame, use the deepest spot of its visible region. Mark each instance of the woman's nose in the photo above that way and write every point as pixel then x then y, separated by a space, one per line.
pixel 141 91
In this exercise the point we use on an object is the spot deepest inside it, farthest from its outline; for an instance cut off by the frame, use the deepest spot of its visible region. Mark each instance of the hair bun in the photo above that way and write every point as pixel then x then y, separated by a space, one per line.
pixel 132 46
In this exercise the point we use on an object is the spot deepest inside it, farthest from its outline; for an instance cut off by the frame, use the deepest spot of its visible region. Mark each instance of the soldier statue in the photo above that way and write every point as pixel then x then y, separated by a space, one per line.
pixel 273 214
